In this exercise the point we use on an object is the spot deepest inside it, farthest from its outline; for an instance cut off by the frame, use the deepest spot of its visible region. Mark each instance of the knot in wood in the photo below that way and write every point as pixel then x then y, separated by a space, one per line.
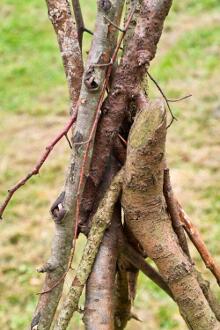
pixel 90 80
pixel 105 5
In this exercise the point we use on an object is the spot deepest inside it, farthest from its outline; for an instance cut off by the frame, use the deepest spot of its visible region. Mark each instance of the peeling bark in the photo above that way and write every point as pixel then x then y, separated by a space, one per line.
pixel 146 216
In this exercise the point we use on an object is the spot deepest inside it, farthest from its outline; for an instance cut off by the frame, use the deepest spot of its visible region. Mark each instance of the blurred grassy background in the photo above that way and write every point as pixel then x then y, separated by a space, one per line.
pixel 34 106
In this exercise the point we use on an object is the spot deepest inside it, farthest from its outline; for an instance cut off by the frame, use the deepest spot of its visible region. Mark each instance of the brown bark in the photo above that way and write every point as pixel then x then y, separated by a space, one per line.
pixel 146 216
pixel 197 240
pixel 100 300
pixel 126 83
pixel 123 300
pixel 172 210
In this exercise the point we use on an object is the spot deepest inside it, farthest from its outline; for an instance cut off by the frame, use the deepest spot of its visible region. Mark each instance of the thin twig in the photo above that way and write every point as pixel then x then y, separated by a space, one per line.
pixel 68 141
pixel 165 98
pixel 197 240
pixel 38 165
pixel 180 98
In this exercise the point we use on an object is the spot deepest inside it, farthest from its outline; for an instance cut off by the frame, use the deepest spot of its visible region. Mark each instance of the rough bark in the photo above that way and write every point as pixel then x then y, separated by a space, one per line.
pixel 100 301
pixel 126 85
pixel 99 305
pixel 60 16
pixel 100 222
pixel 146 216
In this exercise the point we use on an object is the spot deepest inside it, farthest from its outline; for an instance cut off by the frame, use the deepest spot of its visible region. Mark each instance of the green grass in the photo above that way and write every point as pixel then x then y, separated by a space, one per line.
pixel 33 107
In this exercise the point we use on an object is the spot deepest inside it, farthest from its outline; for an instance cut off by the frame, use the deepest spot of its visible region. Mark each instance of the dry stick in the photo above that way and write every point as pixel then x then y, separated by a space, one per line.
pixel 100 221
pixel 123 299
pixel 39 164
pixel 172 210
pixel 197 240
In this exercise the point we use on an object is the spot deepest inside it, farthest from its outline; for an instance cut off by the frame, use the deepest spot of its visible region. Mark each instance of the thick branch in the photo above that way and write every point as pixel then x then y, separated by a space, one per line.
pixel 60 16
pixel 126 83
pixel 99 305
pixel 146 216
pixel 100 222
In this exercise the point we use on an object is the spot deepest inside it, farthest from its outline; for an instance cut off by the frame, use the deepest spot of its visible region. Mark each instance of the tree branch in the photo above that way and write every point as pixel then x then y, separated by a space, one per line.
pixel 146 216
pixel 100 222
pixel 197 240
pixel 100 287
pixel 60 15
pixel 63 244
pixel 38 165
pixel 127 82
pixel 172 210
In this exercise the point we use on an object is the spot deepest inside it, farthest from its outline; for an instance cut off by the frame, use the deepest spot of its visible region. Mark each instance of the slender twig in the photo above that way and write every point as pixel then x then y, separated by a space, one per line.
pixel 38 165
pixel 197 240
pixel 180 98
pixel 68 141
pixel 165 98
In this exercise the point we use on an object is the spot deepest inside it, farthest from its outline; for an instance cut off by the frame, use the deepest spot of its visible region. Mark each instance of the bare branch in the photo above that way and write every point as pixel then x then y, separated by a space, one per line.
pixel 100 222
pixel 127 81
pixel 146 216
pixel 197 240
pixel 38 165
pixel 100 287
pixel 172 210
